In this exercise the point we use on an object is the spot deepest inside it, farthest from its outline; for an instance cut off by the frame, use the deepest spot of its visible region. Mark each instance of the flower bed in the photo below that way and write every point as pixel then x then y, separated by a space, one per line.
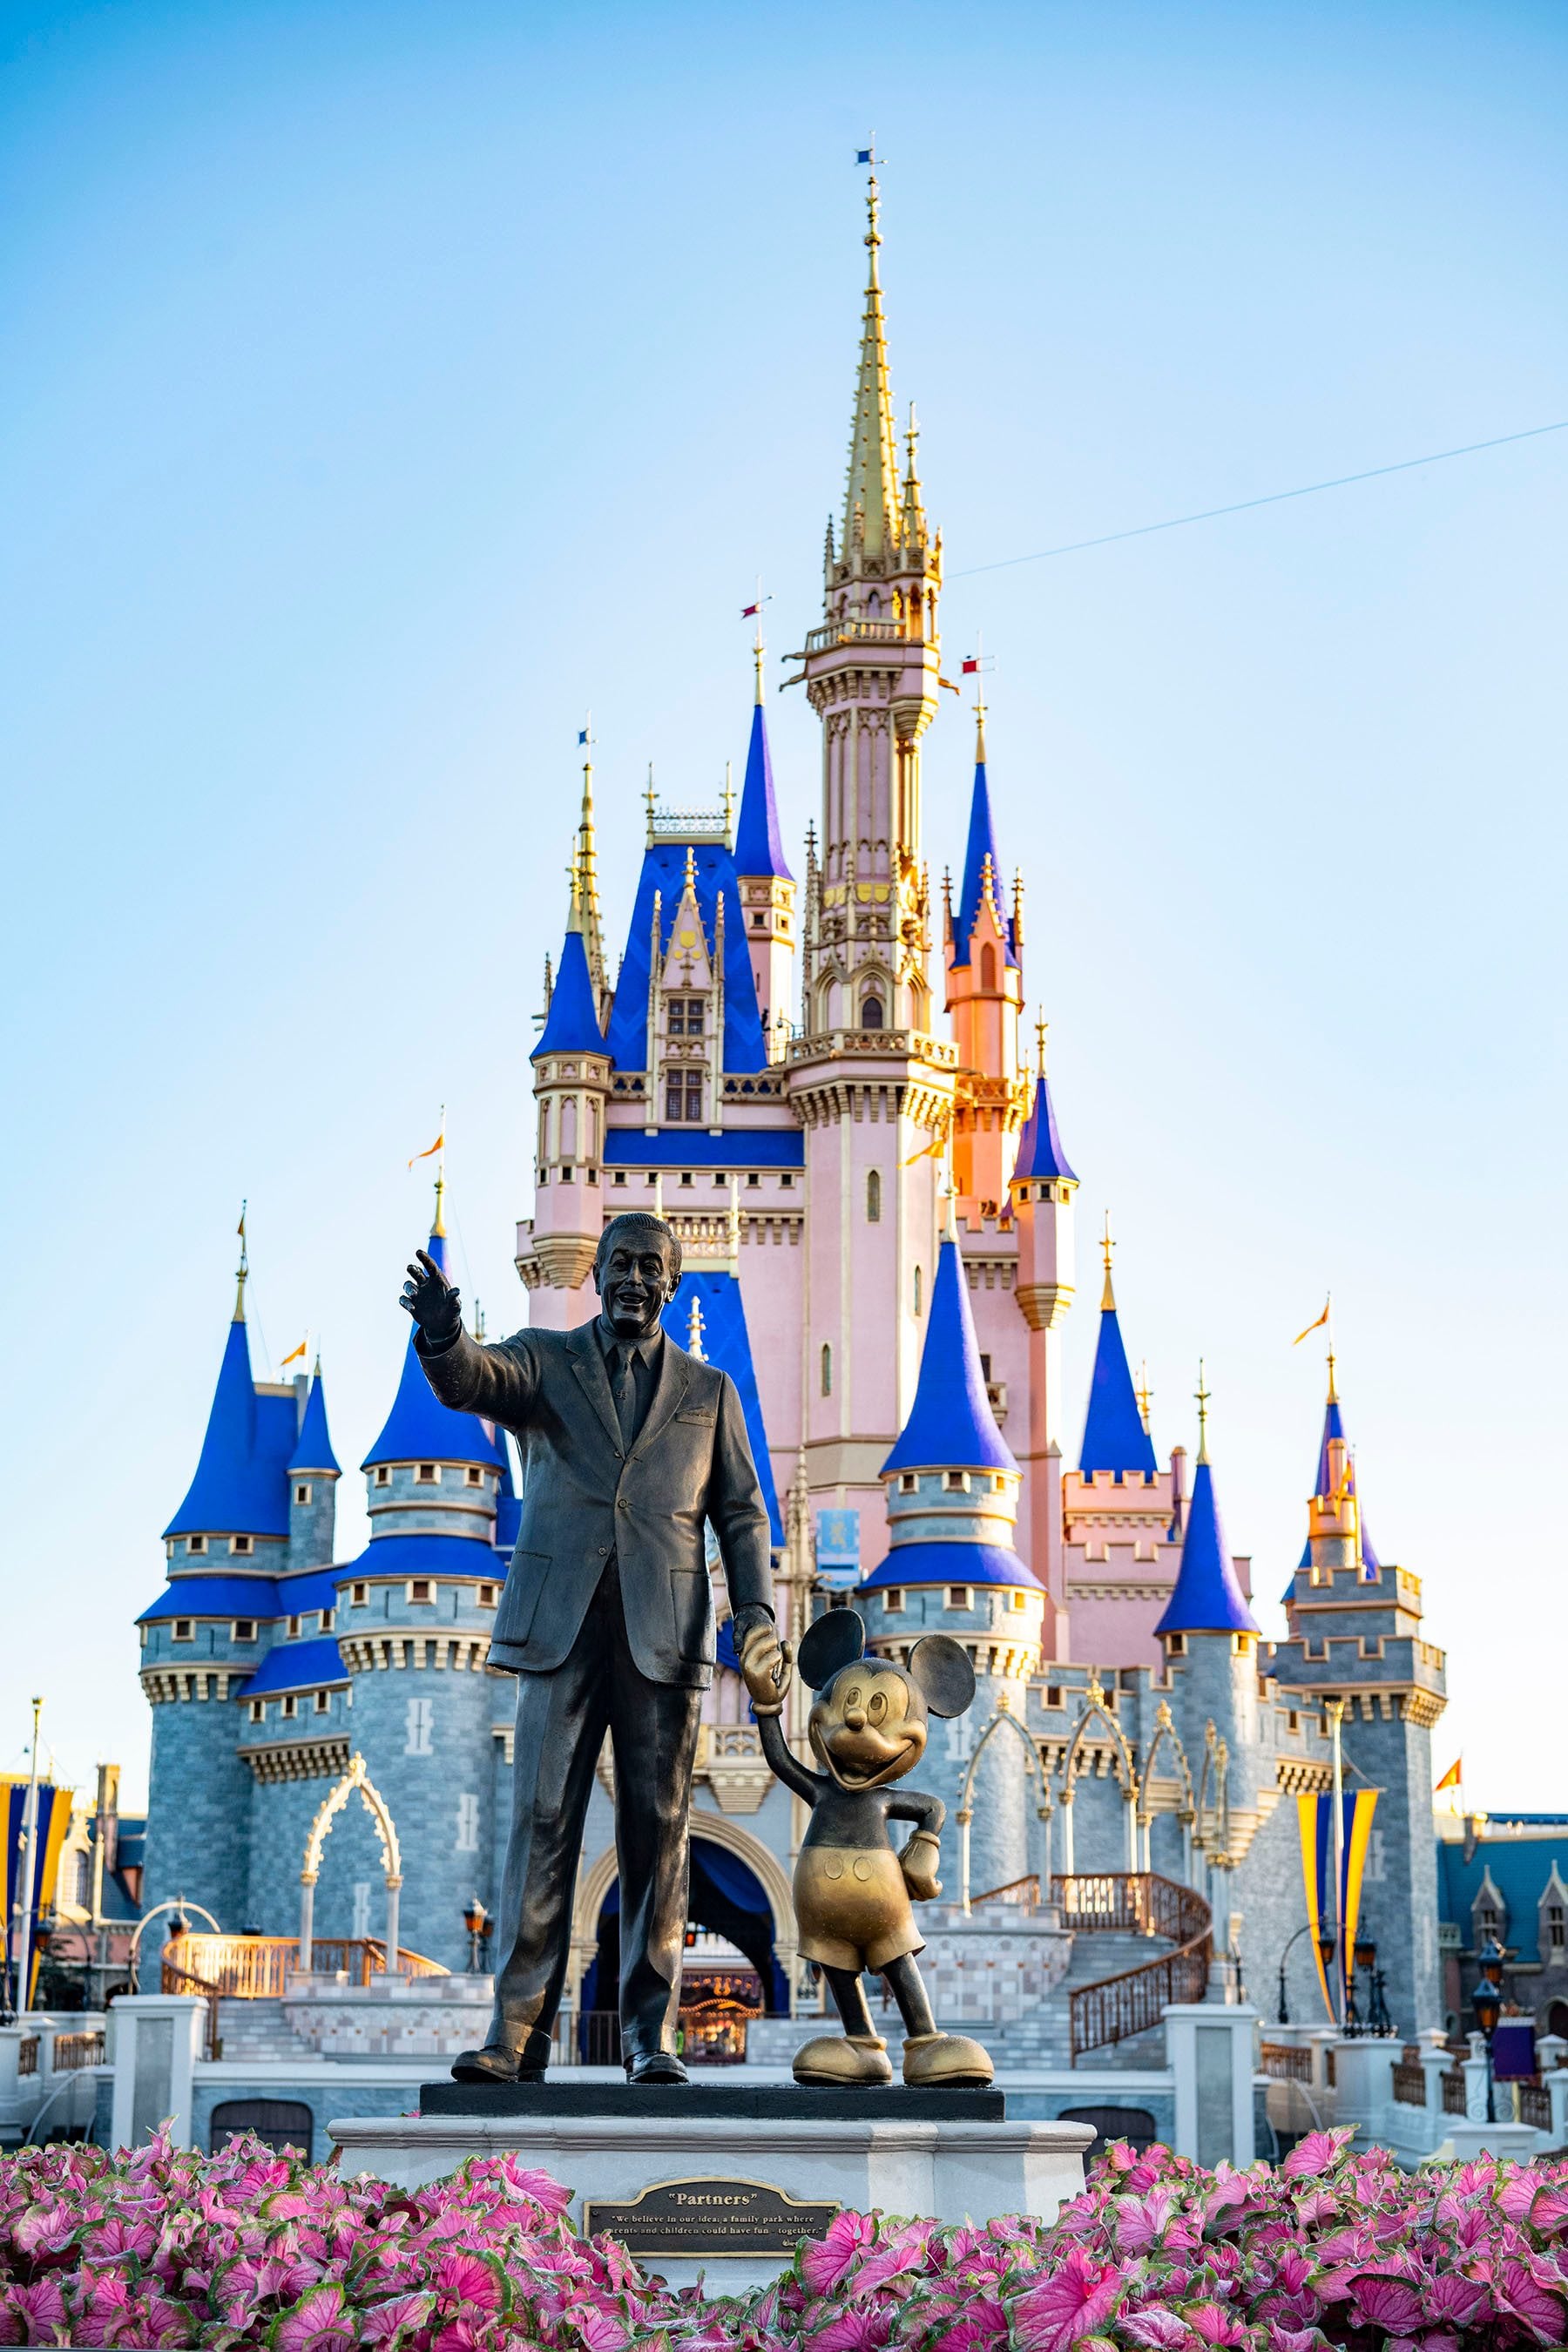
pixel 166 2247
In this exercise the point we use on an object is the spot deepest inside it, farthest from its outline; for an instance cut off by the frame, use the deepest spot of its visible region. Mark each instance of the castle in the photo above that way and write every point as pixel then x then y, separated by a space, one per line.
pixel 827 1086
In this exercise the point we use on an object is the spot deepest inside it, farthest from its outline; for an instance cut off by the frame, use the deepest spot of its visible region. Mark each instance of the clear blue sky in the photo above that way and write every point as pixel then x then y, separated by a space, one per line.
pixel 381 385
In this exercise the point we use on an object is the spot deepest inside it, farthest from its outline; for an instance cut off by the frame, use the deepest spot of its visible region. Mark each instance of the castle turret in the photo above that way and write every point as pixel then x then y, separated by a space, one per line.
pixel 205 1634
pixel 1355 1635
pixel 985 995
pixel 767 885
pixel 953 1501
pixel 1041 1191
pixel 571 1069
pixel 314 1474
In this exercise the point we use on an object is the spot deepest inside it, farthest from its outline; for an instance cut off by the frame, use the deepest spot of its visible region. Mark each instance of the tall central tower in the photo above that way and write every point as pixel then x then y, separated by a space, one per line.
pixel 873 1087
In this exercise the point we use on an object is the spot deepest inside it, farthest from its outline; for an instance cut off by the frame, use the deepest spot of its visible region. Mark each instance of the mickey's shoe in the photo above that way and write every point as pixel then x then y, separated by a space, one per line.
pixel 948 2062
pixel 844 2058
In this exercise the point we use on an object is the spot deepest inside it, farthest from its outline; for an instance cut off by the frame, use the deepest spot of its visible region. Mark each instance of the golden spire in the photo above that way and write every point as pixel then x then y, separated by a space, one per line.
pixel 242 1272
pixel 914 521
pixel 690 868
pixel 585 915
pixel 729 805
pixel 873 489
pixel 1107 1296
pixel 1144 1394
pixel 979 705
pixel 438 1224
pixel 647 802
pixel 758 648
pixel 1202 1395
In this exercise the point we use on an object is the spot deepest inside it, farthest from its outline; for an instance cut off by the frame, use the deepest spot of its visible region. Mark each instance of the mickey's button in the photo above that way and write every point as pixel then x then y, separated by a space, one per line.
pixel 862 1868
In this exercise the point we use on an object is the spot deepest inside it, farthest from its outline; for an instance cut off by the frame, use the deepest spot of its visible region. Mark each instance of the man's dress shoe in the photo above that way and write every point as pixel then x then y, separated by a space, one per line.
pixel 654 2066
pixel 493 2065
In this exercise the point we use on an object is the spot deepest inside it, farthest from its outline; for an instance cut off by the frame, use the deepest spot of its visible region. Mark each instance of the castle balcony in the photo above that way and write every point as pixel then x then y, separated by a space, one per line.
pixel 850 631
pixel 884 1044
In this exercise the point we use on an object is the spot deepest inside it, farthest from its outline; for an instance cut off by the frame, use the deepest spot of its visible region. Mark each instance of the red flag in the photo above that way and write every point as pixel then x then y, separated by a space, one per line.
pixel 969 667
pixel 747 611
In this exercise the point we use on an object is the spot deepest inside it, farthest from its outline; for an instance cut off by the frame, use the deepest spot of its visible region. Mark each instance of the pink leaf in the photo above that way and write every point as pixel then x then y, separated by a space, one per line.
pixel 1066 2305
pixel 1318 2152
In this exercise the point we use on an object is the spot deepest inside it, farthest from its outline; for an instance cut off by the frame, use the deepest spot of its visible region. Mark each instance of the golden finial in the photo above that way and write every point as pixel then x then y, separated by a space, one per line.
pixel 873 210
pixel 1202 1396
pixel 1041 1025
pixel 317 1373
pixel 1095 1693
pixel 242 1272
pixel 694 1330
pixel 979 703
pixel 647 797
pixel 729 806
pixel 1144 1394
pixel 1333 1397
pixel 478 1323
pixel 438 1227
pixel 1107 1296
pixel 691 867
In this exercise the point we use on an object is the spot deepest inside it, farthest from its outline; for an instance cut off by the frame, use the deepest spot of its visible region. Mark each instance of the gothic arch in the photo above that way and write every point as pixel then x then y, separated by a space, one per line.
pixel 1095 1709
pixel 1166 1735
pixel 1214 1796
pixel 595 1880
pixel 331 1805
pixel 965 1812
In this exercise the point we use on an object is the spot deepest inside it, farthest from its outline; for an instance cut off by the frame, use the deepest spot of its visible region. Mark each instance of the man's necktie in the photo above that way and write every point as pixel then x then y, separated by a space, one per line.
pixel 622 1389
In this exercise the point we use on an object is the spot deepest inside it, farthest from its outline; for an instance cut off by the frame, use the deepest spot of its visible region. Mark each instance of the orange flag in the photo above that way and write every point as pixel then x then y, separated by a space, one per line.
pixel 440 1139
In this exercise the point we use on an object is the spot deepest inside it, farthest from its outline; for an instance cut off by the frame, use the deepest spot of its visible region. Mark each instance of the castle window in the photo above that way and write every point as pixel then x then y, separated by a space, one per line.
pixel 302 1491
pixel 294 1625
pixel 619 1177
pixel 909 1484
pixel 1016 1600
pixel 874 1197
pixel 244 1629
pixel 1293 1720
pixel 826 1370
pixel 999 1483
pixel 683 1093
pixel 476 1476
pixel 687 1016
pixel 382 1475
pixel 195 1543
pixel 753 1178
pixel 1241 1644
pixel 487 1596
pixel 893 1602
pixel 240 1544
pixel 427 1475
pixel 871 1013
pixel 686 1176
pixel 289 1707
pixel 1175 1645
pixel 920 1294
pixel 1053 1696
pixel 329 1619
pixel 960 1597
pixel 323 1701
pixel 787 1181
pixel 956 1482
pixel 259 1710
pixel 988 966
pixel 419 1592
pixel 358 1595
pixel 185 1629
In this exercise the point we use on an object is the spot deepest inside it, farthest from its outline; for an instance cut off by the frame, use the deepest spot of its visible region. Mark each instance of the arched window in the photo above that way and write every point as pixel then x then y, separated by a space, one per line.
pixel 988 966
pixel 918 1293
pixel 874 1197
pixel 871 1013
pixel 826 1370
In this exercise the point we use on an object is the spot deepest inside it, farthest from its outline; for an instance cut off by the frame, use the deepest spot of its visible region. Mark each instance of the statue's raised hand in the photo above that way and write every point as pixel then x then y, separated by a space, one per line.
pixel 436 1305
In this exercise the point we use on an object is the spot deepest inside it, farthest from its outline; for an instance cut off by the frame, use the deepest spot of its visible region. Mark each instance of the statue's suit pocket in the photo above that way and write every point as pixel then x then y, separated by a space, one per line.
pixel 524 1583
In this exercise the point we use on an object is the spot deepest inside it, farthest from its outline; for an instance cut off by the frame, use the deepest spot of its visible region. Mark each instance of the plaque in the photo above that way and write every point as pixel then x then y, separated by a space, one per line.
pixel 708 2217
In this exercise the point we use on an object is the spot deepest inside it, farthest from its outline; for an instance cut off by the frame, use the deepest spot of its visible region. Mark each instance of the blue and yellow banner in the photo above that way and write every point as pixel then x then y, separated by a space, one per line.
pixel 1315 1816
pixel 54 1821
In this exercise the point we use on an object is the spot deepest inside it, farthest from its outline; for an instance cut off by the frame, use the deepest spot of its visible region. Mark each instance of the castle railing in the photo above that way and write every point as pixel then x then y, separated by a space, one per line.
pixel 1137 1903
pixel 1409 2085
pixel 1282 2062
pixel 259 1968
pixel 72 2052
pixel 1025 1891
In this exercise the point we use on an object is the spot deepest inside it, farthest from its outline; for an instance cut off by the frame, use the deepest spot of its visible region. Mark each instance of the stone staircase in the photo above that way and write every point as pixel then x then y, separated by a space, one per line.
pixel 1044 2038
pixel 253 2030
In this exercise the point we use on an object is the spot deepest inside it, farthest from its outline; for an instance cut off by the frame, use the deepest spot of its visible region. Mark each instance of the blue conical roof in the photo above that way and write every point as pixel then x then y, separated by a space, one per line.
pixel 1334 1426
pixel 420 1428
pixel 1205 1598
pixel 1114 1437
pixel 241 1482
pixel 1040 1152
pixel 951 1425
pixel 982 844
pixel 663 874
pixel 727 1342
pixel 571 1023
pixel 314 1448
pixel 758 846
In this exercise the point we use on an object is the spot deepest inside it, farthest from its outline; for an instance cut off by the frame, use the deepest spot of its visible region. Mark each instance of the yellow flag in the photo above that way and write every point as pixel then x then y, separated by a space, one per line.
pixel 1454 1777
pixel 440 1139
pixel 1318 1326
pixel 932 1151
pixel 296 1353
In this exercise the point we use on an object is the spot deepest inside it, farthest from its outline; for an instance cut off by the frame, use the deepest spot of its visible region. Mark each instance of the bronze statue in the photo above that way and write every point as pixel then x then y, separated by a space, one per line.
pixel 852 1890
pixel 628 1444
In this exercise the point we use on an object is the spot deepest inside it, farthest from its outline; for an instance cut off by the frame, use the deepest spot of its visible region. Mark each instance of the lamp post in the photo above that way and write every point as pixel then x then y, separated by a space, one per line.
pixel 1305 1930
pixel 1486 2003
pixel 479 1925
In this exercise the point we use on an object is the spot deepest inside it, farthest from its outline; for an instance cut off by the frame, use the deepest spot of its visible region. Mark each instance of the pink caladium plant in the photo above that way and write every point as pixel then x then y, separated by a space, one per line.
pixel 1335 2251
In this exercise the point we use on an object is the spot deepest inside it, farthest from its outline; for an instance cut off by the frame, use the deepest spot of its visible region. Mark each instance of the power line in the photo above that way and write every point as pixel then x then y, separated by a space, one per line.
pixel 1341 482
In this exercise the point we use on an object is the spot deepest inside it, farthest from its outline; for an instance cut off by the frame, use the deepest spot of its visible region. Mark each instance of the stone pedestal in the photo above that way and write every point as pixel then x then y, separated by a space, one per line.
pixel 718 2175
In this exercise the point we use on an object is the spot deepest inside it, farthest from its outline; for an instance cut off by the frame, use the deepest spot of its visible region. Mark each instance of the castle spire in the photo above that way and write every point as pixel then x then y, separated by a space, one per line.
pixel 759 846
pixel 872 497
pixel 1207 1597
pixel 242 1272
pixel 1040 1153
pixel 1108 1295
pixel 585 914
pixel 1115 1430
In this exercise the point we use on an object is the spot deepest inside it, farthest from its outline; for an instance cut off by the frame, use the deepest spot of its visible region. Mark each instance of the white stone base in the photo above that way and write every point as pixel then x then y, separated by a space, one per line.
pixel 954 2170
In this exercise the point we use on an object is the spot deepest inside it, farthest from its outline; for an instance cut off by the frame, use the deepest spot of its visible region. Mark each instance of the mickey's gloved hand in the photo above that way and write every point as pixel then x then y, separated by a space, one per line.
pixel 918 1861
pixel 766 1663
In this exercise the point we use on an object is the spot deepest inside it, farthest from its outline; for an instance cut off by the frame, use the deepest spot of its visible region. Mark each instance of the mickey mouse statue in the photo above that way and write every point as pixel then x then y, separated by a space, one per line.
pixel 852 1889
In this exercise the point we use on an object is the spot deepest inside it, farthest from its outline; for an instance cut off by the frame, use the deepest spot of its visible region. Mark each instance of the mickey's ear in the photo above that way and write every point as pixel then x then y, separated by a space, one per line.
pixel 836 1639
pixel 941 1672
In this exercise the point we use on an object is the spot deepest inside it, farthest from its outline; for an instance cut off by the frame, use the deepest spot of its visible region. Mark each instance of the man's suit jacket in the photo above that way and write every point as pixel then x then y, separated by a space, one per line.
pixel 689 1462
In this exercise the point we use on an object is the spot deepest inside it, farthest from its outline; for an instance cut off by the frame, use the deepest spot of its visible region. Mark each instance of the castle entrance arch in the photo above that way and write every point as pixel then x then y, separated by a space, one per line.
pixel 356 1778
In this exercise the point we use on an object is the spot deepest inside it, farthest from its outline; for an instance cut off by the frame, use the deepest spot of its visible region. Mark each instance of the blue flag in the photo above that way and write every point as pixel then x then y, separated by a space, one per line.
pixel 863 156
